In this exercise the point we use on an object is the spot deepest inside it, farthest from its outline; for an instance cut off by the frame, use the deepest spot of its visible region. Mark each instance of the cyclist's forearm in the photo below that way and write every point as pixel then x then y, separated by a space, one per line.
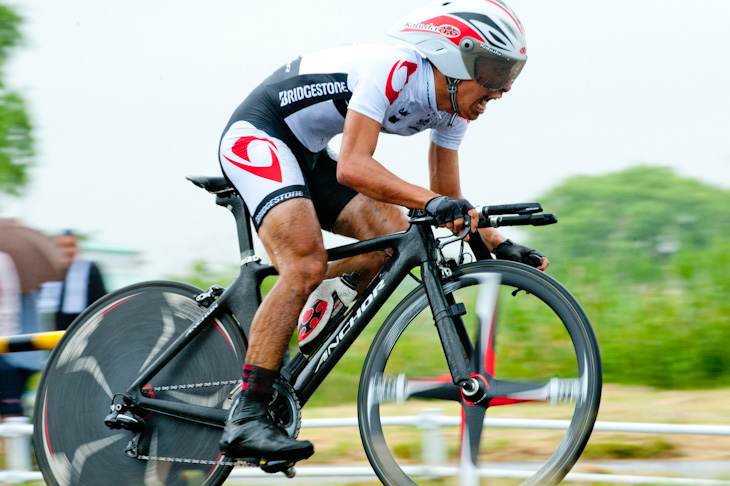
pixel 356 167
pixel 492 237
pixel 368 177
pixel 444 171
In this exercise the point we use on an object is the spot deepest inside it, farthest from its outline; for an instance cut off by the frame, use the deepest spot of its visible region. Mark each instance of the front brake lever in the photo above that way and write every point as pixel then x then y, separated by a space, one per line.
pixel 463 235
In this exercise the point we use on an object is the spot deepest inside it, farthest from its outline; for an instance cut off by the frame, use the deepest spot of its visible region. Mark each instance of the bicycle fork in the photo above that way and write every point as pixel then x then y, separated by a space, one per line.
pixel 452 333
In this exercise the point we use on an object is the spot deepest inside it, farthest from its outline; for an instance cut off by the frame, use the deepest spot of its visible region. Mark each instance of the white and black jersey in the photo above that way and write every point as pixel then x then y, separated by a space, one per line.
pixel 302 106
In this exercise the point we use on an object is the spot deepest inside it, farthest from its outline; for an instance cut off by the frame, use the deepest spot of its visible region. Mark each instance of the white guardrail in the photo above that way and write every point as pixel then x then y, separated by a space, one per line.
pixel 17 432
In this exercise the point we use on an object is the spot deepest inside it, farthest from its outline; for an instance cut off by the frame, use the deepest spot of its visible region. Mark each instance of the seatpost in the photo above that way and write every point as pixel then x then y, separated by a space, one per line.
pixel 234 203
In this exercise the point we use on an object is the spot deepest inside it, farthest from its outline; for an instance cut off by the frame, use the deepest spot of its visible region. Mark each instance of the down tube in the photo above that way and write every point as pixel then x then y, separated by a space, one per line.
pixel 357 319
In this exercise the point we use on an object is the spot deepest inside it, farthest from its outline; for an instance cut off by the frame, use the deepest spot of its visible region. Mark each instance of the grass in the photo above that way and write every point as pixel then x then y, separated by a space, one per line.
pixel 624 448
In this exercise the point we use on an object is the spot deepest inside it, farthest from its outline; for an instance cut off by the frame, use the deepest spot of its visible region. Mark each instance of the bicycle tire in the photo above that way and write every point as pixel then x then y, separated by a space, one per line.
pixel 395 347
pixel 100 355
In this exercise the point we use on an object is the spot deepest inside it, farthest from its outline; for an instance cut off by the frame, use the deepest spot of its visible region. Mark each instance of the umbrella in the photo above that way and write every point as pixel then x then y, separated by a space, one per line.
pixel 36 257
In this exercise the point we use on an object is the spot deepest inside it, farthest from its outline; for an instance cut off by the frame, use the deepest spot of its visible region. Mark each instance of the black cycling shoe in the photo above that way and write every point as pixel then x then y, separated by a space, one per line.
pixel 250 433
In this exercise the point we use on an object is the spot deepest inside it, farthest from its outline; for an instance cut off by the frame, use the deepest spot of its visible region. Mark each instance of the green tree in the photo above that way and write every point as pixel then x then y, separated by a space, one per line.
pixel 635 220
pixel 16 142
pixel 647 253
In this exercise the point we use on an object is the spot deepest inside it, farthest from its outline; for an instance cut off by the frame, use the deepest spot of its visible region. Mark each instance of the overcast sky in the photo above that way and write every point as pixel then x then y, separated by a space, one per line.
pixel 127 98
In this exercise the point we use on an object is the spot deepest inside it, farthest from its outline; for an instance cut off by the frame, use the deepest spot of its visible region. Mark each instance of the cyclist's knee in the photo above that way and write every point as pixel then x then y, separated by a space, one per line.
pixel 311 271
pixel 305 273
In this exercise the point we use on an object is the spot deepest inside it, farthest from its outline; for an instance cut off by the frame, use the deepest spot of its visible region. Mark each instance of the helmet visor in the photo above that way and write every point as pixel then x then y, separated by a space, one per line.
pixel 492 72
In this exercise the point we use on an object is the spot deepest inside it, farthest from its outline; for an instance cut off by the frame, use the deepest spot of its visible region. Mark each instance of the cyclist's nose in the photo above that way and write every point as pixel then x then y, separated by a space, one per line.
pixel 507 88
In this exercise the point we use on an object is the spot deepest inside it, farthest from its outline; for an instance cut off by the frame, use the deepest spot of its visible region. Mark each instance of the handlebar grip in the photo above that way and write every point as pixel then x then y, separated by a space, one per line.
pixel 543 219
pixel 521 220
pixel 519 208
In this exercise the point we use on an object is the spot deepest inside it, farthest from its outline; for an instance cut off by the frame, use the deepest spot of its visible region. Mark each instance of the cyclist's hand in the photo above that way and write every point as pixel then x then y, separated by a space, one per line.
pixel 450 213
pixel 509 250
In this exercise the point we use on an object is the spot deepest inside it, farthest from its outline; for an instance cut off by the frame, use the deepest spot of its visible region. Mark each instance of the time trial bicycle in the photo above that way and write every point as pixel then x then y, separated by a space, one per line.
pixel 168 357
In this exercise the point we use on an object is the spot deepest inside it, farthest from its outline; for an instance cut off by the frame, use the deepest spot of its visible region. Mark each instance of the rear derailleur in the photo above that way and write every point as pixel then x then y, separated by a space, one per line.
pixel 121 417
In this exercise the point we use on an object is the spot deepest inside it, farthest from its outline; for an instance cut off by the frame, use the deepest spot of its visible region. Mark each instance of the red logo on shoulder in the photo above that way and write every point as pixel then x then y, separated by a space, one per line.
pixel 398 78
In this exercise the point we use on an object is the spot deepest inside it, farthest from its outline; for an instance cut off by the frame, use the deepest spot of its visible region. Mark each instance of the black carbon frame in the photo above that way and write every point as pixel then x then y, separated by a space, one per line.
pixel 416 247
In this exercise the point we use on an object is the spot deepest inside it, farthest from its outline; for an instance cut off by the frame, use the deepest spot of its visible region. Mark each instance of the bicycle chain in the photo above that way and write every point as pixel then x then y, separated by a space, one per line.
pixel 146 391
pixel 206 462
pixel 238 462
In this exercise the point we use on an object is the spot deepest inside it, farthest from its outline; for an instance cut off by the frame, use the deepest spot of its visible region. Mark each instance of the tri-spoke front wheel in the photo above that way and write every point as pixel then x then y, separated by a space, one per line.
pixel 531 347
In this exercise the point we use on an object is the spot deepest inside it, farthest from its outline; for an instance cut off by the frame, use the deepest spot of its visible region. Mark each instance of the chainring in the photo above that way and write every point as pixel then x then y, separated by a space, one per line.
pixel 284 409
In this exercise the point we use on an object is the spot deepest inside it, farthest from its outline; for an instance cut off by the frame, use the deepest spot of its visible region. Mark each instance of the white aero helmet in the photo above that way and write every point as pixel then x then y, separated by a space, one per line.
pixel 468 39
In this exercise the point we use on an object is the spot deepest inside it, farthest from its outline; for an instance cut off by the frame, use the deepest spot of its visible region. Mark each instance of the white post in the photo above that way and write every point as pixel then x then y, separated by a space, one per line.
pixel 17 445
pixel 432 441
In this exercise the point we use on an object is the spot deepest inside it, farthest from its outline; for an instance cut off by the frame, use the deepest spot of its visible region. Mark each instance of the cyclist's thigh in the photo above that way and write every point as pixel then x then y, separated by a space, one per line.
pixel 292 238
pixel 364 218
pixel 263 169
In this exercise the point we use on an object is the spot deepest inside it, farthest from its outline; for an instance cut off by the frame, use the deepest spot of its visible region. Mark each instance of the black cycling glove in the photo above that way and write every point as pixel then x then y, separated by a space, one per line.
pixel 446 209
pixel 509 250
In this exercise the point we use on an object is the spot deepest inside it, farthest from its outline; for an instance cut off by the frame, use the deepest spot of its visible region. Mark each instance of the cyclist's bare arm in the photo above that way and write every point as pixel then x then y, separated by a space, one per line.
pixel 443 165
pixel 444 176
pixel 356 167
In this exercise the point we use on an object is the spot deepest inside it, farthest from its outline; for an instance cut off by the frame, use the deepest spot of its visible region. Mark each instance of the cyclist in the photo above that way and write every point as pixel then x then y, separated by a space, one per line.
pixel 464 54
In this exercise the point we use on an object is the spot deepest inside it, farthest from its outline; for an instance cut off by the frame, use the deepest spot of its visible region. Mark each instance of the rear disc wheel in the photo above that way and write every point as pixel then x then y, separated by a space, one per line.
pixel 100 355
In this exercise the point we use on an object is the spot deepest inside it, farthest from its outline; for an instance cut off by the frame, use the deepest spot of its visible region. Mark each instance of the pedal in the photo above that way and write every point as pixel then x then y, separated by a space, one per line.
pixel 272 467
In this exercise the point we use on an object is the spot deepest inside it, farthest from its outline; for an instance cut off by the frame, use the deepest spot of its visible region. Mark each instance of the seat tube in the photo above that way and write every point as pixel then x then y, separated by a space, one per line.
pixel 456 356
pixel 237 207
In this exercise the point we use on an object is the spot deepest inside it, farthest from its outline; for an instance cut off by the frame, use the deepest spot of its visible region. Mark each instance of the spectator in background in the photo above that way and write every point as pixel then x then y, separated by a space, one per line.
pixel 12 378
pixel 82 284
pixel 35 259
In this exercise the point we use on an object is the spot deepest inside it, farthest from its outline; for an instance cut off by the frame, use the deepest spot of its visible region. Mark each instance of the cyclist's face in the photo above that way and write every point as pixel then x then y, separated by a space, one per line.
pixel 473 99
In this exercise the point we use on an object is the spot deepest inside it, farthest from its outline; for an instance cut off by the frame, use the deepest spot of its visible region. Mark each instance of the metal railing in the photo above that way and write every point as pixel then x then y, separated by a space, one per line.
pixel 41 341
pixel 17 432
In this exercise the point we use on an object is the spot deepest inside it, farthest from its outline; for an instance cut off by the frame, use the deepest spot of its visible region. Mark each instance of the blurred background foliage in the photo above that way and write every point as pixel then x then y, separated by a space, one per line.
pixel 16 142
pixel 647 253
